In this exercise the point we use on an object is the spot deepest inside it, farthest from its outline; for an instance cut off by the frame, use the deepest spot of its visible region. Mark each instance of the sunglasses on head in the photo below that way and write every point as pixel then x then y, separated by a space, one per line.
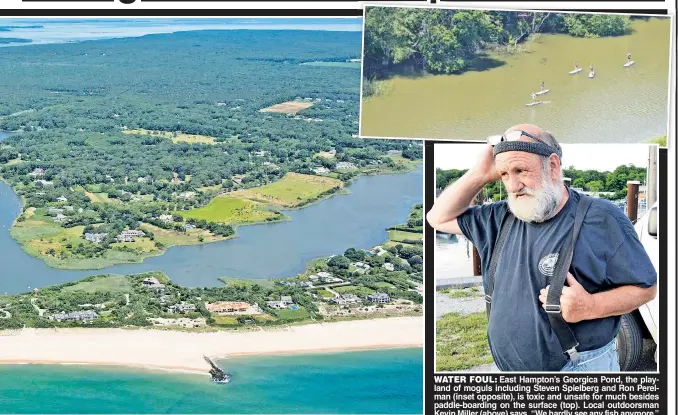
pixel 493 140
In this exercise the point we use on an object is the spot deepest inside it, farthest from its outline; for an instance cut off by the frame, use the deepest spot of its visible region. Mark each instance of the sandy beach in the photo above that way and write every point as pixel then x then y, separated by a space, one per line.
pixel 174 350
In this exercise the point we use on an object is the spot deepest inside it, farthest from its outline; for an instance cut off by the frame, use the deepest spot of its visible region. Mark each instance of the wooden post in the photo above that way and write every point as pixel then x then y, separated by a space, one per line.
pixel 632 200
pixel 477 200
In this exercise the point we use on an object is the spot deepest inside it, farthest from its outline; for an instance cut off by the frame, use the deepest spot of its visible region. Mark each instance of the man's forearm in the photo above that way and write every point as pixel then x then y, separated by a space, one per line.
pixel 621 300
pixel 455 199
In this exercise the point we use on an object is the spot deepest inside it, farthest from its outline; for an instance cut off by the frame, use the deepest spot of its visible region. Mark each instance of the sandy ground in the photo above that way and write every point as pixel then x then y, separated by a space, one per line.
pixel 184 351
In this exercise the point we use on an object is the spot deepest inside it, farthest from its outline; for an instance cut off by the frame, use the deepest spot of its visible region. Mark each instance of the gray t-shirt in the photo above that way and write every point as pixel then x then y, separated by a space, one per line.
pixel 607 254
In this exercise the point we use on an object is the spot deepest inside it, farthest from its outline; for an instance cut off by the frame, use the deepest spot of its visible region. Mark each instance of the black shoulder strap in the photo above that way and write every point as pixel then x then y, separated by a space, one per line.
pixel 506 223
pixel 567 340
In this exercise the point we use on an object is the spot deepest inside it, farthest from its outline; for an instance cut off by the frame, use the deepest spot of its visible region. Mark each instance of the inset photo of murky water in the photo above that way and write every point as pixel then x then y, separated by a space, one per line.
pixel 463 74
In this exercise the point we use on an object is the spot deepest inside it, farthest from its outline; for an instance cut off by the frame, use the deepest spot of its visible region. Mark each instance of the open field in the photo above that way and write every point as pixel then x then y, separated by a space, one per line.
pixel 324 293
pixel 176 137
pixel 226 209
pixel 298 314
pixel 400 236
pixel 353 65
pixel 170 237
pixel 100 198
pixel 289 107
pixel 109 283
pixel 402 161
pixel 16 161
pixel 293 190
pixel 214 188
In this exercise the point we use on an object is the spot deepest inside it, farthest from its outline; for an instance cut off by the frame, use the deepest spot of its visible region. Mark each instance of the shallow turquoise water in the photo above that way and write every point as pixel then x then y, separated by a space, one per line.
pixel 384 381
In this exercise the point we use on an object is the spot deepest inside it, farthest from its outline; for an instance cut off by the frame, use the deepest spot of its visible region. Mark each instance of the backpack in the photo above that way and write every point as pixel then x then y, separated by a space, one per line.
pixel 566 337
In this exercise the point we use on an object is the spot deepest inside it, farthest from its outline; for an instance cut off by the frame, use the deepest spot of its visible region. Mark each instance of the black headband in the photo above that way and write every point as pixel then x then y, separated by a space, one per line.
pixel 528 147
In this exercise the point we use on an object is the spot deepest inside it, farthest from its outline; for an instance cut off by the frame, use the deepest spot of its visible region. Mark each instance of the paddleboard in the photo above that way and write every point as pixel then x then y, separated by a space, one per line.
pixel 532 104
pixel 592 74
pixel 576 71
pixel 627 64
pixel 542 92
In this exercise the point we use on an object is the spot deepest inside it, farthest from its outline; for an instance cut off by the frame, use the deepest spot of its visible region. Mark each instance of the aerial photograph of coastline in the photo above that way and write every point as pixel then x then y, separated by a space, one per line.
pixel 190 223
pixel 464 74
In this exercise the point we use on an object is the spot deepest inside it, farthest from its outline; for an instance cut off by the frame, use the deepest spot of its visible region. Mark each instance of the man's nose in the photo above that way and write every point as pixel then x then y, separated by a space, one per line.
pixel 513 185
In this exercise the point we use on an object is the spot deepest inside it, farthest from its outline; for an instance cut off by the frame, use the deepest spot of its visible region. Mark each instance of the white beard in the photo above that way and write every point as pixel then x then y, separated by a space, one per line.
pixel 541 203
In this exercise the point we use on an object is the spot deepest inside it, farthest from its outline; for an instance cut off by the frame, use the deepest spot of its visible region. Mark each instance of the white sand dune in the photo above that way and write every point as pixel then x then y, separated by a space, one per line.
pixel 174 350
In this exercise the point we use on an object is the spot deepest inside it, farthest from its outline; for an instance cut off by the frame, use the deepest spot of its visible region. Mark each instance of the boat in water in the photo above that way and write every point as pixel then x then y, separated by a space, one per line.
pixel 218 374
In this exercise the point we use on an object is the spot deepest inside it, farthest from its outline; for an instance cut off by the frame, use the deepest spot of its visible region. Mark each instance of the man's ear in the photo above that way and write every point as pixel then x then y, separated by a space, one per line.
pixel 554 162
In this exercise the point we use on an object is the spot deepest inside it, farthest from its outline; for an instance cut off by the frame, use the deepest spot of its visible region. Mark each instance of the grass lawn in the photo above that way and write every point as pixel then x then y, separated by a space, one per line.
pixel 324 293
pixel 292 190
pixel 352 289
pixel 100 198
pixel 353 65
pixel 108 283
pixel 399 236
pixel 170 237
pixel 226 320
pixel 214 188
pixel 234 281
pixel 400 160
pixel 142 244
pixel 325 154
pixel 16 161
pixel 383 284
pixel 461 293
pixel 176 137
pixel 226 209
pixel 287 314
pixel 36 227
pixel 461 341
pixel 262 318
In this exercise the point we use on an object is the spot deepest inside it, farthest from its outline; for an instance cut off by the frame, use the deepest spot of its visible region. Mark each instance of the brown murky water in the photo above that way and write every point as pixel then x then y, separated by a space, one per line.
pixel 618 105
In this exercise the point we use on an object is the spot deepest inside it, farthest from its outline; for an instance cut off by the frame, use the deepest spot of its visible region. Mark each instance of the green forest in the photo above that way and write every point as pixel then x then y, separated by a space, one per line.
pixel 588 180
pixel 74 105
pixel 448 41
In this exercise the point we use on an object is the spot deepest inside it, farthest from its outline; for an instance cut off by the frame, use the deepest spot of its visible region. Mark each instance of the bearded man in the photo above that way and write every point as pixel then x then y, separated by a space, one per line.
pixel 610 273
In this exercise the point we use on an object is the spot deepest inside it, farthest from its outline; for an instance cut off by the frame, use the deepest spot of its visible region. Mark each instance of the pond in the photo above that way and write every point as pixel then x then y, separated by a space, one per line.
pixel 620 105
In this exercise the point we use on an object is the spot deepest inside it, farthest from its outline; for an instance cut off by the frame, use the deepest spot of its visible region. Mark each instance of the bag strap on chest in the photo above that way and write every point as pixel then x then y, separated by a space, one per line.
pixel 566 337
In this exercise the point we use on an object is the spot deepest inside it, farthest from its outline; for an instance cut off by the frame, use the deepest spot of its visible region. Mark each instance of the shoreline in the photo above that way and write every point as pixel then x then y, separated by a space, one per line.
pixel 147 348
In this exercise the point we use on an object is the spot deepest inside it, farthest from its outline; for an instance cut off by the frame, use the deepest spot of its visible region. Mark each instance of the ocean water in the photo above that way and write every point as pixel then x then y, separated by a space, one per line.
pixel 76 30
pixel 383 381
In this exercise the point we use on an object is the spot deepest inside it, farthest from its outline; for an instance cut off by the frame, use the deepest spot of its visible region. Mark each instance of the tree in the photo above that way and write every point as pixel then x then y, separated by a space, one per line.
pixel 339 261
pixel 594 186
pixel 579 183
pixel 354 254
